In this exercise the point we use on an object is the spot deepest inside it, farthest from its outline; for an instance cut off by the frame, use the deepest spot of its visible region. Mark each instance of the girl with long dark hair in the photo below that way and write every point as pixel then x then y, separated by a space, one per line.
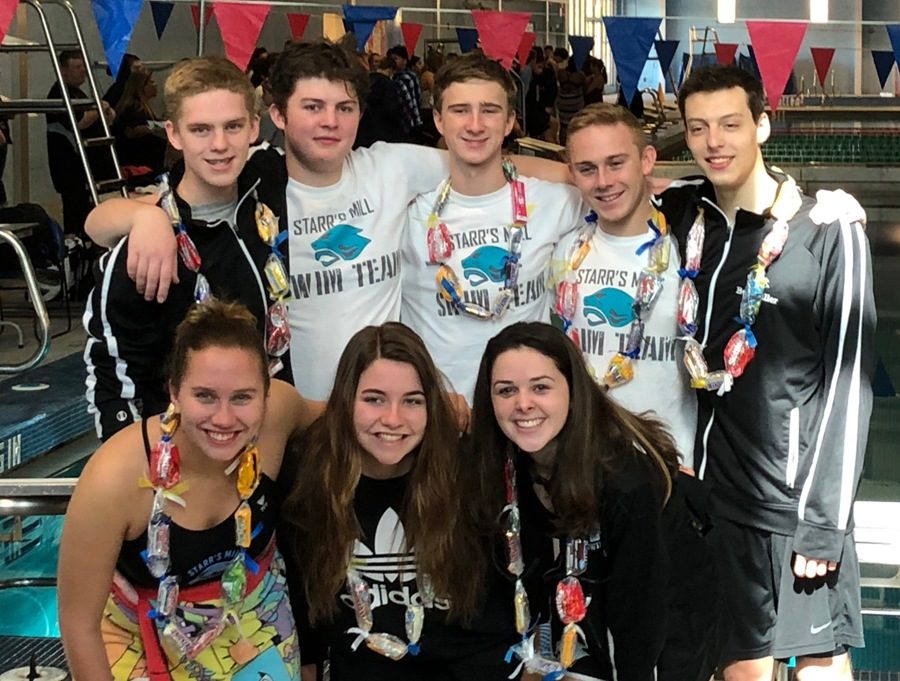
pixel 599 536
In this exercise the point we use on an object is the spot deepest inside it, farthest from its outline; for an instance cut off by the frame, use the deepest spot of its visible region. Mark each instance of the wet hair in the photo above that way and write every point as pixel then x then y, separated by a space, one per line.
pixel 474 66
pixel 321 522
pixel 597 438
pixel 216 324
pixel 205 74
pixel 716 78
pixel 302 59
pixel 604 114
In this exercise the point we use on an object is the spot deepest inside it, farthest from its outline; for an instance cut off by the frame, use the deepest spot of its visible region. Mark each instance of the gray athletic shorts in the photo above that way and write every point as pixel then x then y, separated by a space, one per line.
pixel 773 613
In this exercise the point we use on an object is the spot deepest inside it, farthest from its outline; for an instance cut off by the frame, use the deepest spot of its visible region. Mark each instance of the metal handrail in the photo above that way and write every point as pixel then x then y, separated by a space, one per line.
pixel 37 301
pixel 26 582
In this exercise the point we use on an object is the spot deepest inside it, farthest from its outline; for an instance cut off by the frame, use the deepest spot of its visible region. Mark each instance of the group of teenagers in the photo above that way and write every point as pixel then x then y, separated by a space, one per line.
pixel 340 431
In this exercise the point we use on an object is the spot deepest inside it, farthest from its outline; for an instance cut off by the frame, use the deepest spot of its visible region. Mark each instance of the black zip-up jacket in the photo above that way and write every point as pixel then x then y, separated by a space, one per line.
pixel 129 338
pixel 783 450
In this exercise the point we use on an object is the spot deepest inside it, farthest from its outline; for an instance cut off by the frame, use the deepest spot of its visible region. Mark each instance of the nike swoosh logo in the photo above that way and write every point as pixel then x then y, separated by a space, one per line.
pixel 815 630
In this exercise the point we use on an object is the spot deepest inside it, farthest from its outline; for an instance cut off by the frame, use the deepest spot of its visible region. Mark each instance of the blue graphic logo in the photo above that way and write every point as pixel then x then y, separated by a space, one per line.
pixel 341 242
pixel 609 306
pixel 486 263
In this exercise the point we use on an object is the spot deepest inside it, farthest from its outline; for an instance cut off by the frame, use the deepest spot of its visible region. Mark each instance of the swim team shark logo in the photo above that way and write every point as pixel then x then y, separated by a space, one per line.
pixel 341 242
pixel 486 263
pixel 609 306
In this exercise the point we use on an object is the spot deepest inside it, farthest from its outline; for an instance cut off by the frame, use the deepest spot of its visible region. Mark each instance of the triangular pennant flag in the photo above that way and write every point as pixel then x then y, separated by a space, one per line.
pixel 581 48
pixel 884 62
pixel 161 13
pixel 894 34
pixel 115 22
pixel 467 39
pixel 363 31
pixel 354 13
pixel 665 52
pixel 298 23
pixel 411 33
pixel 525 46
pixel 500 33
pixel 7 12
pixel 240 26
pixel 775 44
pixel 630 39
pixel 822 57
pixel 195 15
pixel 725 53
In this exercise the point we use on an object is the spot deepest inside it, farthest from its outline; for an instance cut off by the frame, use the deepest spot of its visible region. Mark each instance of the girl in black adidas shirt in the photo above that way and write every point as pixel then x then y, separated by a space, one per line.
pixel 594 484
pixel 372 527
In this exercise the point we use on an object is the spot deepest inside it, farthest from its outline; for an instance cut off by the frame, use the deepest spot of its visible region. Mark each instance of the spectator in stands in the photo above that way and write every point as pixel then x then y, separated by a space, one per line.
pixel 130 62
pixel 570 99
pixel 66 169
pixel 596 80
pixel 540 100
pixel 137 144
pixel 382 119
pixel 410 91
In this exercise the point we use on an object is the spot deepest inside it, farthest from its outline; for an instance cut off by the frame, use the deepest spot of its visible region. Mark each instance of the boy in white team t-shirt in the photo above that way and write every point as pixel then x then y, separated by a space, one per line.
pixel 610 160
pixel 342 212
pixel 451 294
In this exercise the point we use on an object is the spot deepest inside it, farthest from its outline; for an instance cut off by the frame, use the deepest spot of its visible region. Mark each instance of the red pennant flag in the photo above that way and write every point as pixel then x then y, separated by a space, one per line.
pixel 725 53
pixel 411 33
pixel 500 33
pixel 775 44
pixel 195 15
pixel 7 12
pixel 240 26
pixel 822 57
pixel 298 23
pixel 525 47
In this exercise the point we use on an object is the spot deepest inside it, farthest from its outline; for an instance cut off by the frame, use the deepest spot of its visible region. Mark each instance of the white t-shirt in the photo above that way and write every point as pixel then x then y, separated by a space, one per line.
pixel 607 281
pixel 478 226
pixel 344 249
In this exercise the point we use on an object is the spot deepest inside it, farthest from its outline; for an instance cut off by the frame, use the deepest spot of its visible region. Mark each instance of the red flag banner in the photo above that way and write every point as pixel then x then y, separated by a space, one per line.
pixel 725 53
pixel 525 47
pixel 775 44
pixel 500 33
pixel 195 15
pixel 240 26
pixel 822 57
pixel 298 23
pixel 411 33
pixel 7 12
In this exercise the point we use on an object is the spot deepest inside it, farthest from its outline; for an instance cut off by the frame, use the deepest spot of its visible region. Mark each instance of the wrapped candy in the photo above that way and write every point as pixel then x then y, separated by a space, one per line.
pixel 440 247
pixel 619 371
pixel 520 209
pixel 567 646
pixel 501 303
pixel 752 297
pixel 648 289
pixel 448 284
pixel 570 602
pixel 167 596
pixel 739 351
pixel 243 522
pixel 576 556
pixel 694 248
pixel 694 360
pixel 658 259
pixel 266 223
pixel 248 471
pixel 165 464
pixel 234 580
pixel 202 289
pixel 773 244
pixel 566 299
pixel 414 619
pixel 187 251
pixel 278 329
pixel 158 544
pixel 362 600
pixel 276 276
pixel 635 338
pixel 523 613
pixel 688 302
pixel 386 644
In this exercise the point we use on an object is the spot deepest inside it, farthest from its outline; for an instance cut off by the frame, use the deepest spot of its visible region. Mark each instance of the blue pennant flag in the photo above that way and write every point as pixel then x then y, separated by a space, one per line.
pixel 581 48
pixel 467 38
pixel 161 13
pixel 115 21
pixel 665 52
pixel 894 34
pixel 361 21
pixel 884 62
pixel 630 39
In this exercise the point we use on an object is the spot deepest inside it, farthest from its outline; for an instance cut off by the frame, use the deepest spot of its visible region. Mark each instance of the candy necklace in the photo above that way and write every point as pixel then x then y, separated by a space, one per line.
pixel 278 331
pixel 165 480
pixel 390 646
pixel 571 605
pixel 741 347
pixel 440 248
pixel 621 367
